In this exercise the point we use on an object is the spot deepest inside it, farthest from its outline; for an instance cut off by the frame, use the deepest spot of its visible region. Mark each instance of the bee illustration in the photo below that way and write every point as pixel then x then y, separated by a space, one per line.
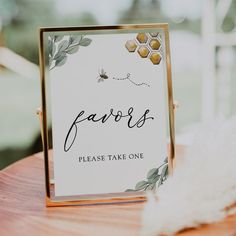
pixel 102 75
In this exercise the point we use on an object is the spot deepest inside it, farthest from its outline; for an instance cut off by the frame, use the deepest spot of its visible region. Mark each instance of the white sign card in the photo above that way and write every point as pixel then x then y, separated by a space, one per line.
pixel 109 109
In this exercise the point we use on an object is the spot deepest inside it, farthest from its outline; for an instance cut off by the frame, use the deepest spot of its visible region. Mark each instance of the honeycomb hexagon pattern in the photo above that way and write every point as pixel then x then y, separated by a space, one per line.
pixel 131 45
pixel 155 44
pixel 143 51
pixel 155 58
pixel 149 46
pixel 142 38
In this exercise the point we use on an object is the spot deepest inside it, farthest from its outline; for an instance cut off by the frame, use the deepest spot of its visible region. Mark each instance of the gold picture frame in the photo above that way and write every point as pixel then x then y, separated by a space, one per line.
pixel 51 199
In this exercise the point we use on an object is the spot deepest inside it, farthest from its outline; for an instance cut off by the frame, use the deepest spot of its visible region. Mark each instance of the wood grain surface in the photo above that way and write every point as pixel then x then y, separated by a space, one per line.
pixel 23 211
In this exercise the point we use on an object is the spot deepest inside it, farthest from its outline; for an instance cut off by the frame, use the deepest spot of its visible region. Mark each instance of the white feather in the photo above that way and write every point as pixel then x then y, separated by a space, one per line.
pixel 202 186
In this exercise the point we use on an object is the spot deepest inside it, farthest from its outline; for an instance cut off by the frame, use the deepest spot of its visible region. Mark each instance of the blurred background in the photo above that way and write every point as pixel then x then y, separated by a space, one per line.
pixel 203 46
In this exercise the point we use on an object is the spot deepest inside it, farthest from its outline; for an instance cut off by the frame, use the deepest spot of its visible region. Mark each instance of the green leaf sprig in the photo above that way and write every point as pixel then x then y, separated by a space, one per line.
pixel 60 48
pixel 155 178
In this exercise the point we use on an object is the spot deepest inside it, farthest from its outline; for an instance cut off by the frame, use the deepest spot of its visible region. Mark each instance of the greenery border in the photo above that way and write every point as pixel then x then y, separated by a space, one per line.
pixel 155 178
pixel 59 48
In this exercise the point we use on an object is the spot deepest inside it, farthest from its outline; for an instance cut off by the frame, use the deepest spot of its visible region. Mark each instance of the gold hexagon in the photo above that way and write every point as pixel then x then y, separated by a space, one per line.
pixel 154 34
pixel 143 51
pixel 131 45
pixel 155 58
pixel 142 37
pixel 155 44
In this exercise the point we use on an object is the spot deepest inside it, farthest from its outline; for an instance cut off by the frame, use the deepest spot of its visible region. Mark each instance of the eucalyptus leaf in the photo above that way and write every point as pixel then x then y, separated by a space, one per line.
pixel 58 38
pixel 59 49
pixel 50 61
pixel 53 49
pixel 164 171
pixel 85 42
pixel 62 45
pixel 154 180
pixel 72 49
pixel 152 173
pixel 59 54
pixel 74 39
pixel 164 174
pixel 130 190
pixel 61 61
pixel 141 185
pixel 50 46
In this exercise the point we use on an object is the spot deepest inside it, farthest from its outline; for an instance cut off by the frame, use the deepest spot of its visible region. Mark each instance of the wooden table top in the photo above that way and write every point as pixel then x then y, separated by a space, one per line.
pixel 23 211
